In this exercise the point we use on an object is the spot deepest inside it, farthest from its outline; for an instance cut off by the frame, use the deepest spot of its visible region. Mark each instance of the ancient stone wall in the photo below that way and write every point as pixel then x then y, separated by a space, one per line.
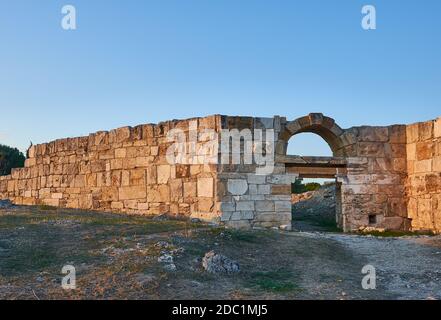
pixel 123 170
pixel 387 177
pixel 424 175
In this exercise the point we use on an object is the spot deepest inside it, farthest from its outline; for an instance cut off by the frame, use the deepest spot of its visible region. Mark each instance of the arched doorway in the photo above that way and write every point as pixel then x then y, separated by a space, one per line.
pixel 325 165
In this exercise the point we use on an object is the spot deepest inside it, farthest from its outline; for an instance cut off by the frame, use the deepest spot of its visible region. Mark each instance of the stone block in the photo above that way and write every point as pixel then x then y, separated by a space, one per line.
pixel 374 134
pixel 176 190
pixel 424 150
pixel 132 192
pixel 265 205
pixel 281 189
pixel 205 187
pixel 237 186
pixel 205 204
pixel 120 153
pixel 245 206
pixel 137 177
pixel 163 174
pixel 190 189
pixel 425 130
pixel 282 205
pixel 159 193
pixel 264 189
pixel 437 128
pixel 436 164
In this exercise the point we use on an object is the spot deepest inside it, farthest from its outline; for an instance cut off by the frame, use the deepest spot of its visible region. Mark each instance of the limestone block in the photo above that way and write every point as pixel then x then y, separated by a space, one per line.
pixel 182 171
pixel 163 174
pixel 252 189
pixel 176 189
pixel 228 206
pixel 425 130
pixel 265 205
pixel 436 164
pixel 143 205
pixel 237 186
pixel 371 149
pixel 190 190
pixel 424 150
pixel 423 166
pixel 412 133
pixel 151 175
pixel 205 187
pixel 437 128
pixel 51 202
pixel 281 189
pixel 154 150
pixel 142 161
pixel 120 153
pixel 205 204
pixel 264 189
pixel 137 177
pixel 285 179
pixel 374 134
pixel 159 193
pixel 433 182
pixel 397 134
pixel 109 193
pixel 399 164
pixel 132 192
pixel 282 205
pixel 72 203
pixel 121 134
pixel 245 206
pixel 57 195
pixel 117 205
pixel 116 164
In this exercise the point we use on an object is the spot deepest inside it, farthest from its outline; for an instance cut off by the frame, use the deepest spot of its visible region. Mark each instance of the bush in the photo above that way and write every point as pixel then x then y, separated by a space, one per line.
pixel 298 187
pixel 10 158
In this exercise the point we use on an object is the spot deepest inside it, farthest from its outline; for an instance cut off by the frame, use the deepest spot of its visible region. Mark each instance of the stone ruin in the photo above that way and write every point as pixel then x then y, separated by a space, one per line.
pixel 387 177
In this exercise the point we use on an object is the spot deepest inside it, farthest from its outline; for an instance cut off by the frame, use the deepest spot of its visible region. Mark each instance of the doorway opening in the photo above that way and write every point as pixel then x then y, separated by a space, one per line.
pixel 315 205
pixel 316 193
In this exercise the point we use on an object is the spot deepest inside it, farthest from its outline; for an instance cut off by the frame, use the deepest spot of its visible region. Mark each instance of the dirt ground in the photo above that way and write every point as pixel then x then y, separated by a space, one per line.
pixel 116 257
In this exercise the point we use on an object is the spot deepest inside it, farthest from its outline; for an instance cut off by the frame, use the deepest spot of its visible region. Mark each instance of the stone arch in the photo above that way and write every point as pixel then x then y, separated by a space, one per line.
pixel 316 123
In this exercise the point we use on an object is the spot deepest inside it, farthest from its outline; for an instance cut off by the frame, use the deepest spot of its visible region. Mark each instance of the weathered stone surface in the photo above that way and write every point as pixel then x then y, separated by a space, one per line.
pixel 392 172
pixel 237 186
pixel 205 187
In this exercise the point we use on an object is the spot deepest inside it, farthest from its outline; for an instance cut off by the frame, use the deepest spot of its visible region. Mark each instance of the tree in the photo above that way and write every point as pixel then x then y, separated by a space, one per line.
pixel 299 187
pixel 10 158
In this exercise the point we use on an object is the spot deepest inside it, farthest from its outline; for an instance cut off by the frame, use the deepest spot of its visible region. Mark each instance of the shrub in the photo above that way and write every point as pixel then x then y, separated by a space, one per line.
pixel 10 158
pixel 298 187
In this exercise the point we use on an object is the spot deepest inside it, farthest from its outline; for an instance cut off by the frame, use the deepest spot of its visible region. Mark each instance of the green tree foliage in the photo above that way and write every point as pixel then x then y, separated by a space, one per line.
pixel 10 158
pixel 299 187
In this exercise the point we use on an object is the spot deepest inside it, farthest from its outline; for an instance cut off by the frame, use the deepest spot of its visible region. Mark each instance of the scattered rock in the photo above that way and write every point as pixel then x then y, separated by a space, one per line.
pixel 162 244
pixel 165 258
pixel 195 220
pixel 217 263
pixel 170 267
pixel 144 279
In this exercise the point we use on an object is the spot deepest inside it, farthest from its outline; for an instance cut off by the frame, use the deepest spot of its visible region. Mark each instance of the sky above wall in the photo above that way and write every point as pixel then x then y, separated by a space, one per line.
pixel 133 62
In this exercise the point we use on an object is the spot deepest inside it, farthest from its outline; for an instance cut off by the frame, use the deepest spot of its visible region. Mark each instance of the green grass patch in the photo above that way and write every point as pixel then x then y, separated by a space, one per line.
pixel 394 234
pixel 325 224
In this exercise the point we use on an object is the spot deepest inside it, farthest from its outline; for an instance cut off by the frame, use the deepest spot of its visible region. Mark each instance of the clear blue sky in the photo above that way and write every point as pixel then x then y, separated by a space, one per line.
pixel 132 62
